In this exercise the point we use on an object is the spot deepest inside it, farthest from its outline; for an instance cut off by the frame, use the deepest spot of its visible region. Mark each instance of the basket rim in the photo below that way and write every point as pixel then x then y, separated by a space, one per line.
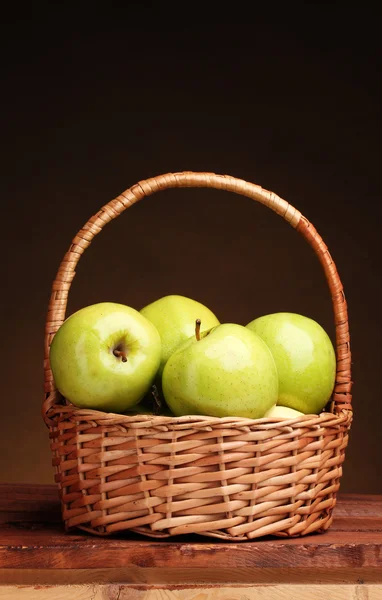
pixel 102 418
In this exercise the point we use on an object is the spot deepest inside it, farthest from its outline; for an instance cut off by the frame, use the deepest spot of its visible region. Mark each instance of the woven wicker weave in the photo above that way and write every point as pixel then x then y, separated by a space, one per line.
pixel 231 478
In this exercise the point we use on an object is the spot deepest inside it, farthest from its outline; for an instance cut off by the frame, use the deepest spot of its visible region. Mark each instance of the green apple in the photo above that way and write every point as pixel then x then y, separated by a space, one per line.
pixel 225 371
pixel 174 317
pixel 283 412
pixel 105 356
pixel 304 356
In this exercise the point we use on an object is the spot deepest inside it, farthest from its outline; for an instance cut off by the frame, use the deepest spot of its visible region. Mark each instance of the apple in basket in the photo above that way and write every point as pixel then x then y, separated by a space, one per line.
pixel 174 317
pixel 105 357
pixel 283 412
pixel 227 370
pixel 304 356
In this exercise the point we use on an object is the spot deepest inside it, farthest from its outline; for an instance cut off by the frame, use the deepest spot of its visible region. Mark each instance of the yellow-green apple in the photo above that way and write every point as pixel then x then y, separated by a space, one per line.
pixel 105 356
pixel 304 356
pixel 283 412
pixel 225 371
pixel 174 317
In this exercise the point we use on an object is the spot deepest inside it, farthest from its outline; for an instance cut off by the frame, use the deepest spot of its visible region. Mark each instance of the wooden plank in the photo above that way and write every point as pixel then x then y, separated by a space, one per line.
pixel 356 524
pixel 276 592
pixel 27 502
pixel 168 576
pixel 50 547
pixel 35 543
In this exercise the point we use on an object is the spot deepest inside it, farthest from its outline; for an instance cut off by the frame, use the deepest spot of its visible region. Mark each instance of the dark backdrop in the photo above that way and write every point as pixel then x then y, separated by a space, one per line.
pixel 94 103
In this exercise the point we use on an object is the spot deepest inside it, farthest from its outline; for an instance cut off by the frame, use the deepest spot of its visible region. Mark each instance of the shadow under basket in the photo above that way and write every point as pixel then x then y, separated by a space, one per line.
pixel 231 478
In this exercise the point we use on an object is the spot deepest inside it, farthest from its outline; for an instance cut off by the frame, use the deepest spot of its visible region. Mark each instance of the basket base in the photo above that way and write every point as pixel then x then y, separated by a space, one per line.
pixel 232 479
pixel 319 528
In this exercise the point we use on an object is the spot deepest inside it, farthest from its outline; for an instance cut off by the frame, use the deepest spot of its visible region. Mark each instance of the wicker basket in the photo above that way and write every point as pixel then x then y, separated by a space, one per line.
pixel 232 478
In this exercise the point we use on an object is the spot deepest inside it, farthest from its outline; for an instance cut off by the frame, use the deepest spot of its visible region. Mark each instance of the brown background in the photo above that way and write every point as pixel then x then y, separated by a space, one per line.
pixel 291 102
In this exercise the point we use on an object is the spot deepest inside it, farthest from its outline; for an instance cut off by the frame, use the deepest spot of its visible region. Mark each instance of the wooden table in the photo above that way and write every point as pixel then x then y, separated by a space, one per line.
pixel 38 560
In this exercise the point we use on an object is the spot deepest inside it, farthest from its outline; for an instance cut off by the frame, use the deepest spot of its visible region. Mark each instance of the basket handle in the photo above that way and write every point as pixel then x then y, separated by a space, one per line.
pixel 341 399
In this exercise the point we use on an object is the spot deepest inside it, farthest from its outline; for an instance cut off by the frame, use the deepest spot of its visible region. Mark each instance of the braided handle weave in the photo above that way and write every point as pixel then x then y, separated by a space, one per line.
pixel 66 271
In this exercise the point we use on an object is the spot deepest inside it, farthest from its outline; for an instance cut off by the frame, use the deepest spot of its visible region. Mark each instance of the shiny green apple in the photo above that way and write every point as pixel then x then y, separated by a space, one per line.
pixel 105 356
pixel 304 356
pixel 226 371
pixel 283 412
pixel 174 317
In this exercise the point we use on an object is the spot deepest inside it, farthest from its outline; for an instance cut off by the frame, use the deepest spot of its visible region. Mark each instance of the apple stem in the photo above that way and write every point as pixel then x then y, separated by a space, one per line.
pixel 197 329
pixel 120 353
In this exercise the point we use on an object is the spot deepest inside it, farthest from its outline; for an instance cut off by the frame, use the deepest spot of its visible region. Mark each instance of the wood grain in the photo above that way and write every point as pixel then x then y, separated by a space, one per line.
pixel 34 548
pixel 272 592
pixel 25 502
